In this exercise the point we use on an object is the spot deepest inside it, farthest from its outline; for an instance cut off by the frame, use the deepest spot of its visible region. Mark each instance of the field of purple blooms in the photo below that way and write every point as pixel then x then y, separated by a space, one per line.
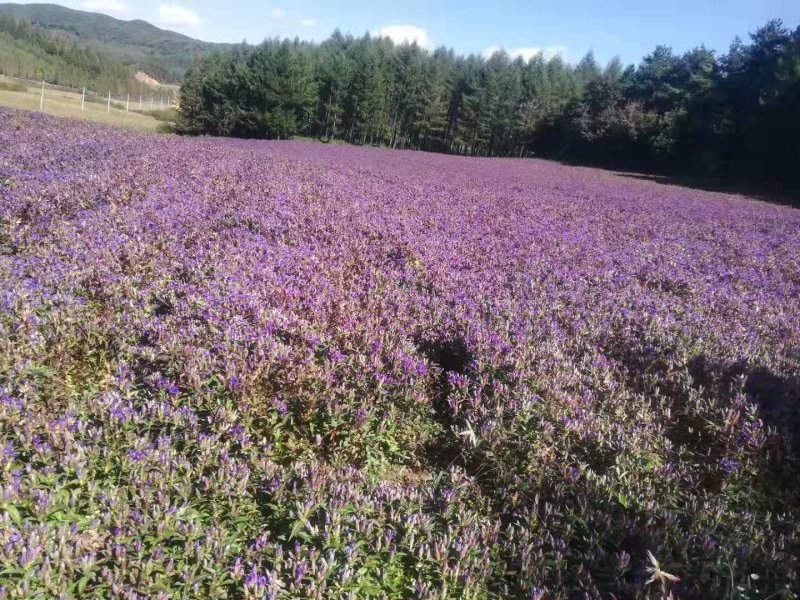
pixel 245 369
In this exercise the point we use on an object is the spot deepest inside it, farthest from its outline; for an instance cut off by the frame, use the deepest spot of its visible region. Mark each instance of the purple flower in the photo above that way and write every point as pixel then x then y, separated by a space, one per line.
pixel 458 411
pixel 729 466
pixel 8 453
pixel 300 570
pixel 361 415
pixel 136 455
pixel 255 579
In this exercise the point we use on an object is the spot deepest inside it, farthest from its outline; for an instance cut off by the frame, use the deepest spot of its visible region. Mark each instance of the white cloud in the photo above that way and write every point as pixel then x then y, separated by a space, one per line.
pixel 278 13
pixel 551 52
pixel 491 51
pixel 175 15
pixel 113 7
pixel 528 53
pixel 405 33
pixel 308 22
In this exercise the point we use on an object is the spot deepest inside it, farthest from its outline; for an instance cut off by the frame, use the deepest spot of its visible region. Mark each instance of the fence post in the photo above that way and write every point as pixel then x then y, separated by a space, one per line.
pixel 41 98
pixel 83 96
pixel 140 102
pixel 108 107
pixel 128 103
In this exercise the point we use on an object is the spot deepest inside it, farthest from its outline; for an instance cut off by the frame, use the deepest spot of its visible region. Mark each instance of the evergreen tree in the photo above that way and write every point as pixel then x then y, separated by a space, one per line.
pixel 735 114
pixel 333 76
pixel 281 92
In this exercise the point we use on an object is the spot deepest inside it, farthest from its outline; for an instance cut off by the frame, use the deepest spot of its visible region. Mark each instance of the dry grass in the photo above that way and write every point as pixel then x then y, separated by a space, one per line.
pixel 62 103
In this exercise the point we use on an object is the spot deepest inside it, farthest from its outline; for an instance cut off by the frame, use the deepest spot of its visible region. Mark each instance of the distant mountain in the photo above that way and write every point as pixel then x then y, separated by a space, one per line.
pixel 32 52
pixel 160 53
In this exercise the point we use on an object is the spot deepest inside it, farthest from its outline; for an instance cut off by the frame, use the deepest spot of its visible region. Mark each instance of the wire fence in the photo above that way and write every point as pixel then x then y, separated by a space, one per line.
pixel 81 97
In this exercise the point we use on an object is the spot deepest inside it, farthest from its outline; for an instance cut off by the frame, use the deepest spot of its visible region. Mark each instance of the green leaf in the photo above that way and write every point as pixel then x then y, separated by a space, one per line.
pixel 83 583
pixel 13 512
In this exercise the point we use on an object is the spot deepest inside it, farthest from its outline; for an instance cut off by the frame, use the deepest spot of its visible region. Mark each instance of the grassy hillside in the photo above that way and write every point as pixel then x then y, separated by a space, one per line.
pixel 62 103
pixel 163 54
pixel 32 52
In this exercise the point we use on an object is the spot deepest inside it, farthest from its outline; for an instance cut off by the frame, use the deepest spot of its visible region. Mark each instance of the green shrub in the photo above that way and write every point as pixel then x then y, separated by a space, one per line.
pixel 12 86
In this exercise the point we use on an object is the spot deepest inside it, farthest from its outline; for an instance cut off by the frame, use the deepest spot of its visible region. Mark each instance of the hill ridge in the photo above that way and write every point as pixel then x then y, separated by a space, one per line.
pixel 162 53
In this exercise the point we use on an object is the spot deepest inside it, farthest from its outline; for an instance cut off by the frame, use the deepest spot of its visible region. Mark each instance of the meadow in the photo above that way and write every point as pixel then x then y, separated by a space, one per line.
pixel 65 103
pixel 250 369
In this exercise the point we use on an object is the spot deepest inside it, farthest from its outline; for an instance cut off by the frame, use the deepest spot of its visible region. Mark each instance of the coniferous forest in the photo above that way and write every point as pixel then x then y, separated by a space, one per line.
pixel 736 114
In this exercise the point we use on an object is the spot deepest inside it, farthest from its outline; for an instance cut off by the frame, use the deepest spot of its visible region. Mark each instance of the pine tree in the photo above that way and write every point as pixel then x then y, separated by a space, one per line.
pixel 737 113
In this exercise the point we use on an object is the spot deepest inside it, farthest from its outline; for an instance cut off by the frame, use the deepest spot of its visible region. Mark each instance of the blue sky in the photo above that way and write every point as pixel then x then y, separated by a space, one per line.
pixel 628 28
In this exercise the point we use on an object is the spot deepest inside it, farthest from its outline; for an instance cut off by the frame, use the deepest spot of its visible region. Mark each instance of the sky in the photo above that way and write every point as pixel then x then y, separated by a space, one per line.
pixel 629 29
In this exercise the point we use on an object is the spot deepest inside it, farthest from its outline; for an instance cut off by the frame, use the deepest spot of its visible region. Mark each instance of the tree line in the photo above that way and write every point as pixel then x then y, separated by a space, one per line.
pixel 32 52
pixel 733 114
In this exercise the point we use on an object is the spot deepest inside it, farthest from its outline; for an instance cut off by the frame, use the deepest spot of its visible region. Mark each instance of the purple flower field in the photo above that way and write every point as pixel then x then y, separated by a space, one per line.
pixel 245 369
